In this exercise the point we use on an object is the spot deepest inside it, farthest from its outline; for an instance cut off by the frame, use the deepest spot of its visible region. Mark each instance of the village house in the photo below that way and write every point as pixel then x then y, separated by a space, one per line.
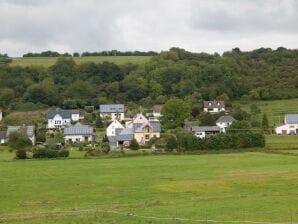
pixel 111 129
pixel 139 128
pixel 78 133
pixel 27 130
pixel 290 126
pixel 63 118
pixel 224 122
pixel 214 106
pixel 205 131
pixel 112 111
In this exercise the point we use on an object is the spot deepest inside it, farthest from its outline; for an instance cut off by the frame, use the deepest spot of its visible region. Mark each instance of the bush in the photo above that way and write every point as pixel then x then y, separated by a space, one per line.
pixel 21 154
pixel 134 145
pixel 18 140
pixel 40 153
pixel 171 143
pixel 63 153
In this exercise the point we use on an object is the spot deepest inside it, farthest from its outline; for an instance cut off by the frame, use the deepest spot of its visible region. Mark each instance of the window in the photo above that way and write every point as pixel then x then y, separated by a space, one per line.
pixel 147 137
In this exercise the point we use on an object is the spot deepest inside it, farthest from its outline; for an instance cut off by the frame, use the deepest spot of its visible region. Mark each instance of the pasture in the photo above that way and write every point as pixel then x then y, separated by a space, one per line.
pixel 49 61
pixel 241 187
pixel 275 109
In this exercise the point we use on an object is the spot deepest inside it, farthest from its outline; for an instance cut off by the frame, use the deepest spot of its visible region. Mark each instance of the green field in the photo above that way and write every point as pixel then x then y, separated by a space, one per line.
pixel 275 109
pixel 48 61
pixel 239 187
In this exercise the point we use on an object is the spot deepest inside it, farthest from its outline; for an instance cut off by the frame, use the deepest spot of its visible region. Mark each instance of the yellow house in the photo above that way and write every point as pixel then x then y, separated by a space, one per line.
pixel 144 132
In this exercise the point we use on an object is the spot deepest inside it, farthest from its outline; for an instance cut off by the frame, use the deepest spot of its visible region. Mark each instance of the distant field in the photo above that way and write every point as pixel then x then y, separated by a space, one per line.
pixel 282 142
pixel 275 109
pixel 48 61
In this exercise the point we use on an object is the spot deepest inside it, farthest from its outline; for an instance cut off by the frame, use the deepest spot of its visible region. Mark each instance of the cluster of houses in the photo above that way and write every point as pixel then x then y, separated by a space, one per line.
pixel 122 130
pixel 222 122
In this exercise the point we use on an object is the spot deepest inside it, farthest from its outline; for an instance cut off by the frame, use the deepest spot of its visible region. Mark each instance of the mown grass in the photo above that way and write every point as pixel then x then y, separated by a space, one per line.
pixel 282 142
pixel 48 61
pixel 275 109
pixel 224 187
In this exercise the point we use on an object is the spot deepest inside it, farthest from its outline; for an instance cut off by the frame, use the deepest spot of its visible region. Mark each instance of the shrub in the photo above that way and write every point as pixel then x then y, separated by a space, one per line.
pixel 134 145
pixel 63 153
pixel 19 140
pixel 171 143
pixel 21 154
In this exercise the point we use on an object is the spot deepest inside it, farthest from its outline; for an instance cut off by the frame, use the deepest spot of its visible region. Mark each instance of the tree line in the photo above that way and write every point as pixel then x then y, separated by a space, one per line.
pixel 85 54
pixel 261 74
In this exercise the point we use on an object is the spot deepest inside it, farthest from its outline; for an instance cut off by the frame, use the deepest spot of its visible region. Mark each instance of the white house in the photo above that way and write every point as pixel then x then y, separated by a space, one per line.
pixel 78 133
pixel 205 131
pixel 63 118
pixel 290 126
pixel 139 118
pixel 59 119
pixel 214 106
pixel 111 129
pixel 1 115
pixel 224 122
pixel 112 111
pixel 28 130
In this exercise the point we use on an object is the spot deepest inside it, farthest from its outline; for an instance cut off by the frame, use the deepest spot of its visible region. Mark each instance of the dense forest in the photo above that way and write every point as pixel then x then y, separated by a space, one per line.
pixel 259 74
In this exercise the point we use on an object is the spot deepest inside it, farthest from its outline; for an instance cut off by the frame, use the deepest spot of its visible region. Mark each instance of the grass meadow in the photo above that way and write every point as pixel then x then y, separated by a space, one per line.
pixel 240 187
pixel 48 61
pixel 275 109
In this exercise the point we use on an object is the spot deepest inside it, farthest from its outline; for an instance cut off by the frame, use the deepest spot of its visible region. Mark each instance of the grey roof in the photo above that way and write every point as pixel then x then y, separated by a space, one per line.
pixel 291 118
pixel 126 134
pixel 155 125
pixel 214 104
pixel 224 119
pixel 78 129
pixel 205 128
pixel 29 130
pixel 111 108
pixel 65 114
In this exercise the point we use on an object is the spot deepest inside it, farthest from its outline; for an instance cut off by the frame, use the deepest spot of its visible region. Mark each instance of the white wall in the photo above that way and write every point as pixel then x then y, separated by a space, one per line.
pixel 58 122
pixel 113 116
pixel 200 134
pixel 111 128
pixel 287 129
pixel 77 138
pixel 223 126
pixel 75 117
pixel 1 116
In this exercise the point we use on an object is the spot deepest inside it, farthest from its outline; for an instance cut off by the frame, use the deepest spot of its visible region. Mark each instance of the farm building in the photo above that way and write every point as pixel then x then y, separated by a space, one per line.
pixel 214 106
pixel 112 111
pixel 290 126
pixel 79 133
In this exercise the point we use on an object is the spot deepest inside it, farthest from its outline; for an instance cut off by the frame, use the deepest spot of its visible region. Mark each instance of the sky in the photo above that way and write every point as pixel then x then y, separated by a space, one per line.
pixel 127 25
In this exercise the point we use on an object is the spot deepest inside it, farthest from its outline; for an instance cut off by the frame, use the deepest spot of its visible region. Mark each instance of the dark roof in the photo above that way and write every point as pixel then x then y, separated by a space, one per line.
pixel 155 125
pixel 205 128
pixel 29 130
pixel 214 104
pixel 79 129
pixel 225 119
pixel 111 108
pixel 291 118
pixel 65 114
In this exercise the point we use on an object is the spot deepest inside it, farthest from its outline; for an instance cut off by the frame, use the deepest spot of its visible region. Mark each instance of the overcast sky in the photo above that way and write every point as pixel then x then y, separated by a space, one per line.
pixel 97 25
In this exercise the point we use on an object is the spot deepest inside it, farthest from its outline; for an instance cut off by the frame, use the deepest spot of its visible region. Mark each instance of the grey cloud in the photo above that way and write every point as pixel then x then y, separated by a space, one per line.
pixel 95 25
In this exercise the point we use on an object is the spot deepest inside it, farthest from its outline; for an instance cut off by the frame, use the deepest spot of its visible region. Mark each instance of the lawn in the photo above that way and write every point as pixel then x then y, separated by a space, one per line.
pixel 275 109
pixel 282 142
pixel 48 61
pixel 224 187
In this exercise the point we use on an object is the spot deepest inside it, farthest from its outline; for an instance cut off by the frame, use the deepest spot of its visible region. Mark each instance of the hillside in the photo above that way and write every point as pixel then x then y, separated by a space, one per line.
pixel 49 61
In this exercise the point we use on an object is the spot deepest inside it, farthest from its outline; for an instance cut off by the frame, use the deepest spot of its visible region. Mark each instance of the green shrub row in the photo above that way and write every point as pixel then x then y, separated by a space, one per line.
pixel 188 142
